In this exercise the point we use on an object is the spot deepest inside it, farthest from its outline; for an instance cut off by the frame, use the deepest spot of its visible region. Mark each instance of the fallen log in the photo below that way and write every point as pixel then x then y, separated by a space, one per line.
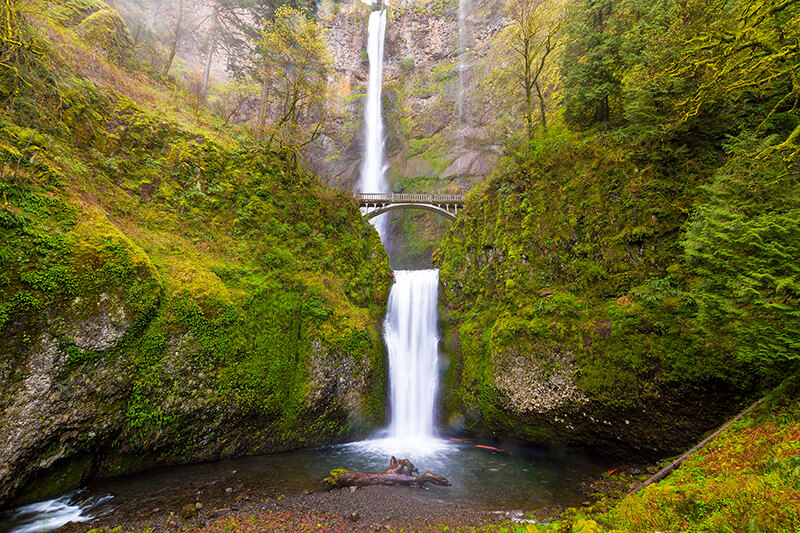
pixel 664 472
pixel 399 473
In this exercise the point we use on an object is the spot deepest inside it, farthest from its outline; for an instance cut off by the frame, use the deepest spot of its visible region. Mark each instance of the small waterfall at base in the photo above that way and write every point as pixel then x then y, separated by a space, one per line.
pixel 410 331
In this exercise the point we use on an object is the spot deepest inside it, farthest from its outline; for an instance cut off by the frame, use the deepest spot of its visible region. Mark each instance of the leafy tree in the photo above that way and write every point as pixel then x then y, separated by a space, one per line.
pixel 750 50
pixel 522 69
pixel 15 48
pixel 592 65
pixel 295 62
pixel 176 34
pixel 234 28
pixel 744 243
pixel 532 38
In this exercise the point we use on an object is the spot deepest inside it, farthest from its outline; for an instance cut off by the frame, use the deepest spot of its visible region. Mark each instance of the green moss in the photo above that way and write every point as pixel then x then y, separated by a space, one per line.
pixel 106 32
pixel 575 248
pixel 219 266
pixel 71 12
pixel 55 480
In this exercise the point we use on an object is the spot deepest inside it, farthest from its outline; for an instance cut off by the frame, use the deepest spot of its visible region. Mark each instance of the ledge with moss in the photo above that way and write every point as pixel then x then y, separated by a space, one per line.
pixel 569 311
pixel 168 296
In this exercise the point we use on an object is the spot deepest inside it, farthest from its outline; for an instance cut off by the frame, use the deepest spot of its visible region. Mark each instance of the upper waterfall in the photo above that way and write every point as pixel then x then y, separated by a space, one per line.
pixel 373 167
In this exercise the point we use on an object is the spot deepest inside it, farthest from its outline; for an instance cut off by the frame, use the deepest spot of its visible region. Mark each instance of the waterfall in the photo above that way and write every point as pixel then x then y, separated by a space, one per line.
pixel 410 331
pixel 410 328
pixel 373 168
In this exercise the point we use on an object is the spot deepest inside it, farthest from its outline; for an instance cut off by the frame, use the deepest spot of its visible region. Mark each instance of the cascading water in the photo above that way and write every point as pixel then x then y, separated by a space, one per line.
pixel 410 331
pixel 373 168
pixel 410 326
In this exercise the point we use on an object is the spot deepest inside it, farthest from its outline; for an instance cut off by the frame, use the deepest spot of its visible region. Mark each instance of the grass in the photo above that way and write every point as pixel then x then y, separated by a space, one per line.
pixel 746 480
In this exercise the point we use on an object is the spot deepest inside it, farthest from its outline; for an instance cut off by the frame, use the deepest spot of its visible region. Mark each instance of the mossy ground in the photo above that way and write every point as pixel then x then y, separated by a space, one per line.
pixel 747 479
pixel 238 273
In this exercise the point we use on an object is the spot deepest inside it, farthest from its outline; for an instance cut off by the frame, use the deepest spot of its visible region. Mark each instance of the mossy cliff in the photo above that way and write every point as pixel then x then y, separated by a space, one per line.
pixel 168 293
pixel 569 311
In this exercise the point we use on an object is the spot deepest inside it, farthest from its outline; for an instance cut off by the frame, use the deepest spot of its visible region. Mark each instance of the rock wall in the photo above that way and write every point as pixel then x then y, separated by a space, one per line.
pixel 438 124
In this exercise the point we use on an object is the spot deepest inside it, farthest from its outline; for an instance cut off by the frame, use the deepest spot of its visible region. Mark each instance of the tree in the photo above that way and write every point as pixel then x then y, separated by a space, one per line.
pixel 175 37
pixel 591 65
pixel 295 61
pixel 234 28
pixel 533 36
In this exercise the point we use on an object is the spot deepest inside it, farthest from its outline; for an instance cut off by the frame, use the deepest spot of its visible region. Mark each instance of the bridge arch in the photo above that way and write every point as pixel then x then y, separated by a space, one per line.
pixel 374 204
pixel 394 207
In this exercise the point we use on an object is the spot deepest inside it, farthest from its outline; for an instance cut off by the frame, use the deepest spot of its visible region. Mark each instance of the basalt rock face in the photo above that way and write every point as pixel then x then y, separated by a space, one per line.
pixel 438 124
pixel 441 130
pixel 110 370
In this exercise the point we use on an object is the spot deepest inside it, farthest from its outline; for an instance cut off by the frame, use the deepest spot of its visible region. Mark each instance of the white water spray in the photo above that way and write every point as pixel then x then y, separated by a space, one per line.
pixel 51 514
pixel 412 339
pixel 373 167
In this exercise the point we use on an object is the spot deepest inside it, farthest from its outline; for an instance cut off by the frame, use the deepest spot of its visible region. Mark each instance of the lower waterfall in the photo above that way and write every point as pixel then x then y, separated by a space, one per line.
pixel 411 335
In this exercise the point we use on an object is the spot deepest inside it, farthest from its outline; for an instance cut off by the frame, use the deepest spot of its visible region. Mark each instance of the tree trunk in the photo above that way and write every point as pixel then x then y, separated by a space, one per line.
pixel 664 472
pixel 399 473
pixel 528 85
pixel 262 115
pixel 602 111
pixel 212 41
pixel 174 46
pixel 542 108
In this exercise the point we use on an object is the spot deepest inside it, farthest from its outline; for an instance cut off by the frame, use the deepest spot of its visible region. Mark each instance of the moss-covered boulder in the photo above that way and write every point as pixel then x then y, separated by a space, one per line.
pixel 169 294
pixel 570 317
pixel 107 34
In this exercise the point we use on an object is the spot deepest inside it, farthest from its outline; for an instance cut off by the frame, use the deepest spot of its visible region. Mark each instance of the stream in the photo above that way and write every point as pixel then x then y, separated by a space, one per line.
pixel 516 479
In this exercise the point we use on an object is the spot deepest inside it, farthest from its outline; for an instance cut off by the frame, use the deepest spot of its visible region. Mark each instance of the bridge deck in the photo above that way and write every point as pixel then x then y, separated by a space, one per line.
pixel 396 198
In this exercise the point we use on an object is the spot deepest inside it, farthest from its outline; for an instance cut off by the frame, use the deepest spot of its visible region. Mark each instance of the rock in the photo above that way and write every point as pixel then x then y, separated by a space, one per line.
pixel 189 510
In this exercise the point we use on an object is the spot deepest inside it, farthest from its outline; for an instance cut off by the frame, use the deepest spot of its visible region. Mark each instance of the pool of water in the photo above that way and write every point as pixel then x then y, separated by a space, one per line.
pixel 491 477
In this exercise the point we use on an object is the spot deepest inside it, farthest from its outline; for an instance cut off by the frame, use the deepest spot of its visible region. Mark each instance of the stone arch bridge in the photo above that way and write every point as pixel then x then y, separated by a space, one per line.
pixel 374 204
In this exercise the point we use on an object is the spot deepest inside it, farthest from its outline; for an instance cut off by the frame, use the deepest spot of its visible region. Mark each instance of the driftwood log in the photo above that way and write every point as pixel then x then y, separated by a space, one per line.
pixel 399 473
pixel 664 472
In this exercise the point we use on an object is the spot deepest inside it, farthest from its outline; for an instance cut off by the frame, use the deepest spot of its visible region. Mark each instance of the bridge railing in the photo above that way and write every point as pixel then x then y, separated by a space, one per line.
pixel 410 198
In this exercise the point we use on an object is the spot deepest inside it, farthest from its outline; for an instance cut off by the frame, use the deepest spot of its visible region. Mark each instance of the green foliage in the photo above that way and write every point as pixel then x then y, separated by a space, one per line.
pixel 742 245
pixel 234 277
pixel 659 253
pixel 591 64
pixel 749 471
pixel 295 63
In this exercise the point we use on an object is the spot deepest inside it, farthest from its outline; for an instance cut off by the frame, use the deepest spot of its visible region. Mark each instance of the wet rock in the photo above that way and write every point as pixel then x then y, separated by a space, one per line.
pixel 189 510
